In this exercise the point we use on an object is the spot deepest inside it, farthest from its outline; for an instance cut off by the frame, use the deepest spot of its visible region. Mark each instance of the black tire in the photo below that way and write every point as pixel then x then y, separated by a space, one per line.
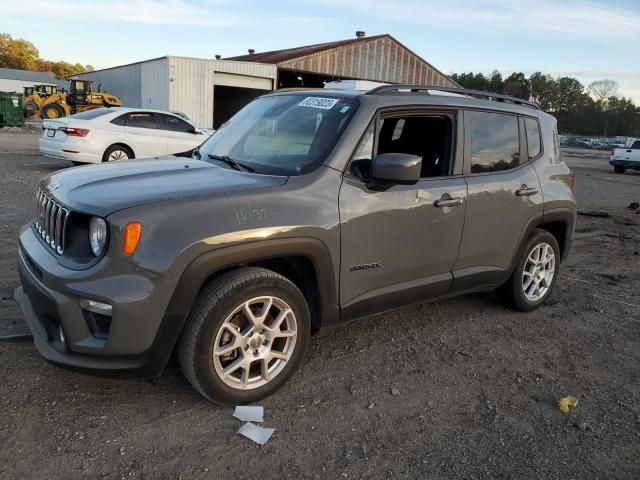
pixel 619 169
pixel 511 293
pixel 51 111
pixel 114 148
pixel 30 109
pixel 214 304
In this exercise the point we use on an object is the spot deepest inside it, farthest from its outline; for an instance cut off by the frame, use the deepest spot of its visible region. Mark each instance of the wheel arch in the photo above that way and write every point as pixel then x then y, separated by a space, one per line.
pixel 121 144
pixel 305 261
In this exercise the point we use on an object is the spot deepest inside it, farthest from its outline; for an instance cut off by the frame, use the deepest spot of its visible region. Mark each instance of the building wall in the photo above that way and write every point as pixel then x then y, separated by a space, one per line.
pixel 192 80
pixel 154 84
pixel 381 60
pixel 9 85
pixel 191 89
pixel 124 81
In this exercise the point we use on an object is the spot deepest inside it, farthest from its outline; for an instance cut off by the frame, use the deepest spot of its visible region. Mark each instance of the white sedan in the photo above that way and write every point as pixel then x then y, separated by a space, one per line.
pixel 108 134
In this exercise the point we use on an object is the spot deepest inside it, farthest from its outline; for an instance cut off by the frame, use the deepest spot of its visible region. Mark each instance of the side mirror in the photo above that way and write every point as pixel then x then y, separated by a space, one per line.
pixel 397 168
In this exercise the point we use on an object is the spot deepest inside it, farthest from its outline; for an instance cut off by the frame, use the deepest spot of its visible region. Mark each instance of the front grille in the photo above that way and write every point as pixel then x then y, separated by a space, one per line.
pixel 51 221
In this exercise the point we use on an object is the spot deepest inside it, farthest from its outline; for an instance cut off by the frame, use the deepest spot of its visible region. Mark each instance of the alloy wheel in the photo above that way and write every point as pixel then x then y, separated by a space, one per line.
pixel 255 342
pixel 538 272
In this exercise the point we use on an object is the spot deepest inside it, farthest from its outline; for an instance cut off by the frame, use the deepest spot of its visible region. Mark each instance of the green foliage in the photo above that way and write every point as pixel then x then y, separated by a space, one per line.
pixel 567 99
pixel 23 55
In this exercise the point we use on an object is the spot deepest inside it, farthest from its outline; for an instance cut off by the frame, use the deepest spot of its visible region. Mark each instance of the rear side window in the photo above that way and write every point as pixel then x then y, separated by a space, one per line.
pixel 533 137
pixel 142 120
pixel 120 120
pixel 495 143
pixel 175 124
pixel 91 114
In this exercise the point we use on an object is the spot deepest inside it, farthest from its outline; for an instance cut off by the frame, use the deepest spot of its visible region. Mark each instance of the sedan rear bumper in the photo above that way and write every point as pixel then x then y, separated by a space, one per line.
pixel 75 151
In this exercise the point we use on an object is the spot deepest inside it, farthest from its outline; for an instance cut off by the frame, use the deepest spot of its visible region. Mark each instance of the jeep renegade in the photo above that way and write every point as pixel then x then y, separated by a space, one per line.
pixel 306 209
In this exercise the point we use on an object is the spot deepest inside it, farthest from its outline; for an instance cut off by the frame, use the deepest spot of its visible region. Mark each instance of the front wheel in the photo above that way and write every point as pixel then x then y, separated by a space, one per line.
pixel 116 152
pixel 535 275
pixel 246 335
pixel 619 169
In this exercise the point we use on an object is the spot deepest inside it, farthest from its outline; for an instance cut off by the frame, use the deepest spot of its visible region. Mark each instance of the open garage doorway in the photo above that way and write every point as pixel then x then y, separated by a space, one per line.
pixel 227 101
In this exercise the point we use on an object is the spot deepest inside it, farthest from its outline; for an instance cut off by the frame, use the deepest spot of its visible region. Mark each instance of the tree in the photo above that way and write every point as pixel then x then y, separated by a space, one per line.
pixel 65 70
pixel 19 53
pixel 602 90
pixel 517 85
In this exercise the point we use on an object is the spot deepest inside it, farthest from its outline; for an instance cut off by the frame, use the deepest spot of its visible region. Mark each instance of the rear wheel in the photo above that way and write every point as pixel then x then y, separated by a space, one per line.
pixel 52 111
pixel 246 335
pixel 30 109
pixel 535 275
pixel 117 152
pixel 619 169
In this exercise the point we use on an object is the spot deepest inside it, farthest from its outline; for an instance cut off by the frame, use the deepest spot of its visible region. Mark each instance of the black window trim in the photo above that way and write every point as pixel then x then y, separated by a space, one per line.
pixel 456 167
pixel 522 142
pixel 524 126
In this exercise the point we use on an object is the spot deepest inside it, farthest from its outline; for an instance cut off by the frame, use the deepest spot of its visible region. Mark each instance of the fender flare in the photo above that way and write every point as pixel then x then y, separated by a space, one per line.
pixel 207 264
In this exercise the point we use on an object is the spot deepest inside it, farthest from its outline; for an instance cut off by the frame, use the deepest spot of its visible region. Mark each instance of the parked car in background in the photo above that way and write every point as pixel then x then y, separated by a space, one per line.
pixel 626 158
pixel 108 134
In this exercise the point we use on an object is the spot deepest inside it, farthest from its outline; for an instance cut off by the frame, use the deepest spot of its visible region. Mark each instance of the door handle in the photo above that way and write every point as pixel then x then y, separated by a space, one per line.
pixel 448 202
pixel 525 191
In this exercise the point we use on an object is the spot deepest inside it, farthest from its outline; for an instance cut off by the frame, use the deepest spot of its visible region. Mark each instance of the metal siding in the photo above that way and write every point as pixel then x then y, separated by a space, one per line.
pixel 381 59
pixel 243 81
pixel 154 81
pixel 9 85
pixel 191 89
pixel 124 82
pixel 191 83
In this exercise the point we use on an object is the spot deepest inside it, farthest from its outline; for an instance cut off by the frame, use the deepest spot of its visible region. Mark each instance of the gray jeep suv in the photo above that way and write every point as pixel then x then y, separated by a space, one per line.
pixel 306 209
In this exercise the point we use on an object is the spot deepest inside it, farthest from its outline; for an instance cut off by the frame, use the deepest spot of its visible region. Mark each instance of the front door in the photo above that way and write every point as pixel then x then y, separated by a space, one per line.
pixel 145 136
pixel 400 242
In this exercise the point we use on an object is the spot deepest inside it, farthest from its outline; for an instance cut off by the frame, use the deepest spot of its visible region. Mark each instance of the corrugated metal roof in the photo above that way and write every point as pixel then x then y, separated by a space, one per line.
pixel 27 76
pixel 277 56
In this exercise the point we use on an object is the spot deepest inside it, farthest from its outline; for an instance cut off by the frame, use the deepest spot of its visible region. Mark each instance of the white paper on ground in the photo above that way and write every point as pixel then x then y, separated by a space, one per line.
pixel 249 414
pixel 256 433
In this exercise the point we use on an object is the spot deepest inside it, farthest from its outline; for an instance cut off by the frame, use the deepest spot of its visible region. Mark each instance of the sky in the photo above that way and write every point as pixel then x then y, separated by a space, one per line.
pixel 580 38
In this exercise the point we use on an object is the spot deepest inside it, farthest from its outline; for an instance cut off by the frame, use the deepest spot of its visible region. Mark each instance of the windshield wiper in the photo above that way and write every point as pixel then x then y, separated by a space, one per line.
pixel 232 163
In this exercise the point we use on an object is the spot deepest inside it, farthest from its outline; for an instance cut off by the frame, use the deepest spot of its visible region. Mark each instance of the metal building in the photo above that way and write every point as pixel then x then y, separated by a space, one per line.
pixel 210 91
pixel 380 58
pixel 13 80
pixel 189 85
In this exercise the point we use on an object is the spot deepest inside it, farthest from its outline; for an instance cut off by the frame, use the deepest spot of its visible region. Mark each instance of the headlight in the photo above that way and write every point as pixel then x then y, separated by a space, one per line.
pixel 97 235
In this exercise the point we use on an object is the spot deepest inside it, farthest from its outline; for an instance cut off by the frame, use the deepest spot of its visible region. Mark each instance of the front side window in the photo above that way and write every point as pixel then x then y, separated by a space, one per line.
pixel 142 120
pixel 534 142
pixel 282 134
pixel 495 143
pixel 430 137
pixel 175 124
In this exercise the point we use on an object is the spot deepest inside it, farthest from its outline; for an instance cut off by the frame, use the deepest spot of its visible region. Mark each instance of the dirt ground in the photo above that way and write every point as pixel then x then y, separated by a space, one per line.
pixel 474 385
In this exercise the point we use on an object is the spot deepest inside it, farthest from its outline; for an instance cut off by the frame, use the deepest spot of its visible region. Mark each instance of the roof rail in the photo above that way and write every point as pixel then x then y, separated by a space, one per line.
pixel 424 89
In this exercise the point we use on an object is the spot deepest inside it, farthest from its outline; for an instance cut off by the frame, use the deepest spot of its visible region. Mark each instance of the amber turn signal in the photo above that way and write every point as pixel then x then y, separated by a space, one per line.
pixel 132 234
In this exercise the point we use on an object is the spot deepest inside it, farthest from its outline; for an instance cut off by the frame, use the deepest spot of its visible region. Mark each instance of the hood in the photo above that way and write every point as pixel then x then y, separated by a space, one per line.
pixel 104 189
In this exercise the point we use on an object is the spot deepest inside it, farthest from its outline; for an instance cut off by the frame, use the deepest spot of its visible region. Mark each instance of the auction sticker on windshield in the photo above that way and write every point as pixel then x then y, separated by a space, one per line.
pixel 318 102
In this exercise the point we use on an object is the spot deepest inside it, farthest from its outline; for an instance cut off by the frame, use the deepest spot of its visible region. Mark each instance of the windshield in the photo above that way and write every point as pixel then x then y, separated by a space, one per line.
pixel 281 134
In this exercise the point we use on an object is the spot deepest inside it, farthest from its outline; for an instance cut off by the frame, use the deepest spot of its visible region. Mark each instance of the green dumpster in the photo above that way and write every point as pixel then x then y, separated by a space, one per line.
pixel 11 114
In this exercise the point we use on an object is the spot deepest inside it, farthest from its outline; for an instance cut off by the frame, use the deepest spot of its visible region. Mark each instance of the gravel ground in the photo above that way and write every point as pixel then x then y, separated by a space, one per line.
pixel 460 388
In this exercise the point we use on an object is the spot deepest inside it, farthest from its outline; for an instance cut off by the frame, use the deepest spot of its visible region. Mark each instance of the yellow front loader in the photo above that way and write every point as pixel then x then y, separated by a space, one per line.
pixel 34 99
pixel 80 98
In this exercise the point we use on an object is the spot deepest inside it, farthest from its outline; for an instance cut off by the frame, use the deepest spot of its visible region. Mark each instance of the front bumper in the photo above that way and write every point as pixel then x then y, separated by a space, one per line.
pixel 625 163
pixel 50 302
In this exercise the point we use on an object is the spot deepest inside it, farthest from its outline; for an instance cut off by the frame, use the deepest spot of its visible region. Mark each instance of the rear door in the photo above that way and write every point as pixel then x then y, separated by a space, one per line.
pixel 399 242
pixel 504 197
pixel 181 135
pixel 144 135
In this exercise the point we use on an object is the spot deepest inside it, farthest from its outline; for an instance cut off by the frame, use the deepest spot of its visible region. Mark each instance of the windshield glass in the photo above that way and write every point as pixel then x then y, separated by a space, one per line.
pixel 281 134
